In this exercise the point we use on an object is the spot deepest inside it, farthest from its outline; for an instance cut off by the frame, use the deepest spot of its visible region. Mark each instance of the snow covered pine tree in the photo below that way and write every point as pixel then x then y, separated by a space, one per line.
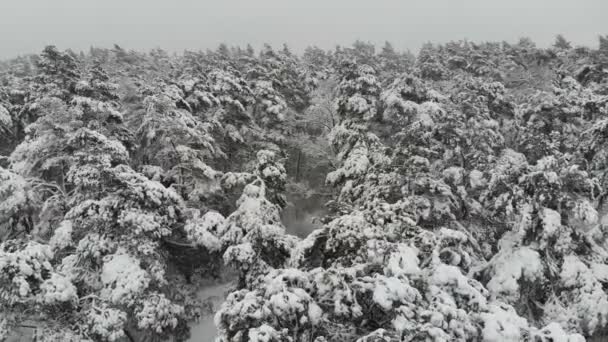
pixel 466 193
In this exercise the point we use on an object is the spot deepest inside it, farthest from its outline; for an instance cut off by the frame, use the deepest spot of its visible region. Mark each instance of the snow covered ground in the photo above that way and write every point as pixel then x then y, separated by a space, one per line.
pixel 204 330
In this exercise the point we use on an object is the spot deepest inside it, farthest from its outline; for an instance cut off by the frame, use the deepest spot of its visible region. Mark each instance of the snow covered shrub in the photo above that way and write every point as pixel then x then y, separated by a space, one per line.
pixel 17 202
pixel 206 230
pixel 106 324
pixel 158 313
pixel 25 267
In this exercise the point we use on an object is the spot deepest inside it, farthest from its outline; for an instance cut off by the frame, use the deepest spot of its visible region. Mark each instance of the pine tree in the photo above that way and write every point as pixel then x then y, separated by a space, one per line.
pixel 603 47
pixel 561 43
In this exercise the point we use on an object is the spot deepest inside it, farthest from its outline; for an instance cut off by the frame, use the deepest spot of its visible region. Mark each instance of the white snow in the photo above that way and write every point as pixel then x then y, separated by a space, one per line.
pixel 107 323
pixel 476 179
pixel 503 324
pixel 551 222
pixel 509 266
pixel 403 262
pixel 158 313
pixel 590 302
pixel 143 222
pixel 58 289
pixel 26 267
pixel 205 330
pixel 454 174
pixel 263 333
pixel 13 193
pixel 123 278
pixel 5 119
pixel 390 291
pixel 62 237
pixel 585 216
pixel 555 333
pixel 206 230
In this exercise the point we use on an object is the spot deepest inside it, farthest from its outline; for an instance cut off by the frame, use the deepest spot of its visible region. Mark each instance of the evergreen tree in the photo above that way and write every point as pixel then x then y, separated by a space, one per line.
pixel 561 43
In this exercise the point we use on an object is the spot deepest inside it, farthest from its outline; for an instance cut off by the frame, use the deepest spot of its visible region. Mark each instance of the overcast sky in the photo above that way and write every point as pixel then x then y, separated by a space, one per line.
pixel 28 25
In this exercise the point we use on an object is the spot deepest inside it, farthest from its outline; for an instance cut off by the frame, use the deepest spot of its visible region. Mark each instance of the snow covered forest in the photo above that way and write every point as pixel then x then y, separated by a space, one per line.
pixel 356 194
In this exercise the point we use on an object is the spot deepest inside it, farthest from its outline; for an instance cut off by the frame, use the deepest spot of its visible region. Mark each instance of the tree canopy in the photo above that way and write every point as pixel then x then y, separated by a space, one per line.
pixel 461 193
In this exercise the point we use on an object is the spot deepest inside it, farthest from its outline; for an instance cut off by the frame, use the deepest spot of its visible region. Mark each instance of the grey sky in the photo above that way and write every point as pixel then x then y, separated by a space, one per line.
pixel 28 25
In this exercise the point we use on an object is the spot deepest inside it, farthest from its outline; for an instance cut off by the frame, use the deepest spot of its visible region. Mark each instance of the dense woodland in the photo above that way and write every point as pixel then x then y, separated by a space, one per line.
pixel 459 193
